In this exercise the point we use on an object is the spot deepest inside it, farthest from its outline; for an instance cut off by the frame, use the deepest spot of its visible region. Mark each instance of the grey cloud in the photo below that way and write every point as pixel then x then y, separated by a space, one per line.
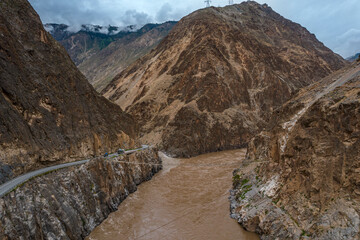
pixel 133 17
pixel 348 43
pixel 164 13
pixel 75 13
pixel 168 12
pixel 332 21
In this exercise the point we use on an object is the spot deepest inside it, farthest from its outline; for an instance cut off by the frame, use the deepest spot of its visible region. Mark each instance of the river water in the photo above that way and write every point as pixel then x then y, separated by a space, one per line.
pixel 188 199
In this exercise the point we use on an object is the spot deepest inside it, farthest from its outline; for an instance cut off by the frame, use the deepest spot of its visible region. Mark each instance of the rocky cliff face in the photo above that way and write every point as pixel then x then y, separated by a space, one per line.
pixel 307 164
pixel 70 203
pixel 103 66
pixel 213 80
pixel 48 111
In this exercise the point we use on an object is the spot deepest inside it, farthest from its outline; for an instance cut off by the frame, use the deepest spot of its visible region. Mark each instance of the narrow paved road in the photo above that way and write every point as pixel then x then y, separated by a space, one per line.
pixel 13 183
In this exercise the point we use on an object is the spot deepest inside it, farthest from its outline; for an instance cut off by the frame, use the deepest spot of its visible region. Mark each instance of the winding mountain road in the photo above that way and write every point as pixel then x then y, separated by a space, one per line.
pixel 13 183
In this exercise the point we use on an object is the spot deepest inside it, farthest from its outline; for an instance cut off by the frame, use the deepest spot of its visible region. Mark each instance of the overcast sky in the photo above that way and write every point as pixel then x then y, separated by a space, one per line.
pixel 335 22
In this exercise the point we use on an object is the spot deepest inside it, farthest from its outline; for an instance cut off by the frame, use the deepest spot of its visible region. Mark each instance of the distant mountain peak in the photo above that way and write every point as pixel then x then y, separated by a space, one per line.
pixel 55 28
pixel 108 30
pixel 216 77
pixel 354 57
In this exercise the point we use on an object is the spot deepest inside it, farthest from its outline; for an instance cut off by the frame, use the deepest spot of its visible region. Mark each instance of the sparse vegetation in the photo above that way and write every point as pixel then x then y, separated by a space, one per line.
pixel 243 188
pixel 236 180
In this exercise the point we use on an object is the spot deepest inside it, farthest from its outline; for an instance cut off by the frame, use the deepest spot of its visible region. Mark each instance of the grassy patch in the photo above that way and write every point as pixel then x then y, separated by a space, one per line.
pixel 243 191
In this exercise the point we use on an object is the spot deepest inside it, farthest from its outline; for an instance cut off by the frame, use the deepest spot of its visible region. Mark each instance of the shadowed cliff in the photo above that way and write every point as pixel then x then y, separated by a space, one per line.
pixel 49 112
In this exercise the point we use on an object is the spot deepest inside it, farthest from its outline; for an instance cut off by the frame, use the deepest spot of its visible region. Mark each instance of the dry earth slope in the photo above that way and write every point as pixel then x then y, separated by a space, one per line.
pixel 48 111
pixel 307 164
pixel 213 80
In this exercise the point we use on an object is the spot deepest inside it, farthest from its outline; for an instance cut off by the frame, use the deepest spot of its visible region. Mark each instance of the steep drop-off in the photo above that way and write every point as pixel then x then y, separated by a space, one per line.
pixel 301 178
pixel 70 203
pixel 48 111
pixel 213 81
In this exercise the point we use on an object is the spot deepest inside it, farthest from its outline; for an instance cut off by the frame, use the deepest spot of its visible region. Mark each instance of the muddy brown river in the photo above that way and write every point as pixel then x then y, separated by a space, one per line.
pixel 188 199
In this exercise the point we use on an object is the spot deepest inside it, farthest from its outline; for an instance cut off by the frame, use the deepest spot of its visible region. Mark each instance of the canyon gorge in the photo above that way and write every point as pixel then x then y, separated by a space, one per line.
pixel 235 95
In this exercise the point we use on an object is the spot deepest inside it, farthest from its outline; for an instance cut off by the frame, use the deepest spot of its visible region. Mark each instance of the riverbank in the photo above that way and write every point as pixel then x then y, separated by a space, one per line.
pixel 70 203
pixel 188 199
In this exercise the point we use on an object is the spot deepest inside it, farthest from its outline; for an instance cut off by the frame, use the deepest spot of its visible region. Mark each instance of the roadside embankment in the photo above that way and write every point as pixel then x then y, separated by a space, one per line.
pixel 70 203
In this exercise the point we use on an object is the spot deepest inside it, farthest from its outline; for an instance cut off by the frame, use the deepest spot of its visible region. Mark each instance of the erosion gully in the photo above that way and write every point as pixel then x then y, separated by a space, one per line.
pixel 188 199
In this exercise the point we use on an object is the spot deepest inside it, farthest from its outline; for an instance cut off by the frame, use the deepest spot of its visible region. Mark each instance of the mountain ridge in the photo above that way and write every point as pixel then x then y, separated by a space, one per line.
pixel 101 52
pixel 60 31
pixel 303 167
pixel 354 57
pixel 212 82
pixel 103 66
pixel 49 112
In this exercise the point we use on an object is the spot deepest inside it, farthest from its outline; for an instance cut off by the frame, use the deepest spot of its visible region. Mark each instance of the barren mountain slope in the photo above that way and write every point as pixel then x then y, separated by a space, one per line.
pixel 103 66
pixel 49 112
pixel 89 40
pixel 212 82
pixel 307 165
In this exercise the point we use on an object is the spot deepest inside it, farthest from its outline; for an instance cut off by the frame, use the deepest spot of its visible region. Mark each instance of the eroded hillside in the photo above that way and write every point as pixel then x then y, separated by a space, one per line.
pixel 214 80
pixel 301 177
pixel 104 65
pixel 102 52
pixel 49 112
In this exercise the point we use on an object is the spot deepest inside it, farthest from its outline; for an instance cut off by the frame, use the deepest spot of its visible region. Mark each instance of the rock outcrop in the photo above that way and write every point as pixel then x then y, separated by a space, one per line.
pixel 214 80
pixel 301 178
pixel 70 203
pixel 48 111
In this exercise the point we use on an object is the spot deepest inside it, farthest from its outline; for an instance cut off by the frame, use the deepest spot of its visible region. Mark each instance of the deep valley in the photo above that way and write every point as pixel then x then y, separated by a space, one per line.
pixel 232 106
